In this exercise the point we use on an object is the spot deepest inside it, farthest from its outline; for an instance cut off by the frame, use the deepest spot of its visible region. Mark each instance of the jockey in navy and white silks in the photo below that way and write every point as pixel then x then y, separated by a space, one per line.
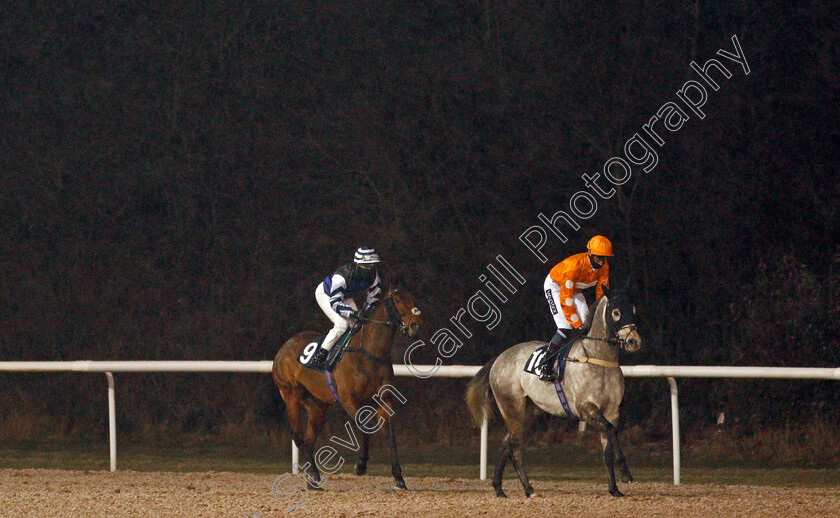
pixel 335 295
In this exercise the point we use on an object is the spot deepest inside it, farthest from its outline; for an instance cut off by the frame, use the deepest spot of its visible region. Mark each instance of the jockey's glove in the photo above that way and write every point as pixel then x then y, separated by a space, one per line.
pixel 344 310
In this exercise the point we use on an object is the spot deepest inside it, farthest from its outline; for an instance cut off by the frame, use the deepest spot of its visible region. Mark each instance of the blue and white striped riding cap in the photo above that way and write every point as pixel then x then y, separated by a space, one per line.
pixel 365 255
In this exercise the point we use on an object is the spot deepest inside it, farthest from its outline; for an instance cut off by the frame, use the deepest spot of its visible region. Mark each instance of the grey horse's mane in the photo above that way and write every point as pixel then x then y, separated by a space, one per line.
pixel 590 317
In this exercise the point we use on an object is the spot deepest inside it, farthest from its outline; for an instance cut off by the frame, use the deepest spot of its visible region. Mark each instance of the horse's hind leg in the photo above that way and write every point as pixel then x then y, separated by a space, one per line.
pixel 513 410
pixel 516 458
pixel 293 410
pixel 593 416
pixel 316 412
pixel 500 468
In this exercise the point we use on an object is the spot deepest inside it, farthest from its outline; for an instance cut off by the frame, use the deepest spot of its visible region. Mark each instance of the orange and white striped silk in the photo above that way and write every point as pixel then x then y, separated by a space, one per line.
pixel 574 274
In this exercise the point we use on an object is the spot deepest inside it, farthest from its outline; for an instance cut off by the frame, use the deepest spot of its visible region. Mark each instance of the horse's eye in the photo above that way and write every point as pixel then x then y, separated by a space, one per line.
pixel 616 314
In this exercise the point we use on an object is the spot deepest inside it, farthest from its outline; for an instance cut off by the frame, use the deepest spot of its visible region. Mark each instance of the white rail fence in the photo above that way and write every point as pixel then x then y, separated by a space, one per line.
pixel 450 371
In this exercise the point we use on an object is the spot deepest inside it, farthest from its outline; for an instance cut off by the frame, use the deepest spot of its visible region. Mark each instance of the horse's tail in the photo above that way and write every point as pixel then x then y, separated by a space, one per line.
pixel 478 394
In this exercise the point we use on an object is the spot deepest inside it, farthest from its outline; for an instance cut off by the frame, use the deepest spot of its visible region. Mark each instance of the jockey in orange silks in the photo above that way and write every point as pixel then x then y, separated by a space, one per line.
pixel 563 290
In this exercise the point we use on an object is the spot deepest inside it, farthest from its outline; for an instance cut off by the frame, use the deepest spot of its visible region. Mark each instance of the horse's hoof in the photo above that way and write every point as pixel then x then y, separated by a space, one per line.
pixel 530 491
pixel 616 493
pixel 626 477
pixel 360 469
pixel 399 484
pixel 499 492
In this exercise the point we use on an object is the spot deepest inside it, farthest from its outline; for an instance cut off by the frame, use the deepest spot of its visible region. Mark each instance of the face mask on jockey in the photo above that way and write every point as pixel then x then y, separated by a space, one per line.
pixel 366 271
pixel 597 261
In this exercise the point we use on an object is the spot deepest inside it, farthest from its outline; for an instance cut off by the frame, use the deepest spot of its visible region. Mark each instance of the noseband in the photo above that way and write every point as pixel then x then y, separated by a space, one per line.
pixel 394 316
pixel 622 342
pixel 394 321
pixel 613 332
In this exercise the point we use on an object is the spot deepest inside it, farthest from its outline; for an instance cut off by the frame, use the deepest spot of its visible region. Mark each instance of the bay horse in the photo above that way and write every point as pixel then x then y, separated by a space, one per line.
pixel 364 369
pixel 593 386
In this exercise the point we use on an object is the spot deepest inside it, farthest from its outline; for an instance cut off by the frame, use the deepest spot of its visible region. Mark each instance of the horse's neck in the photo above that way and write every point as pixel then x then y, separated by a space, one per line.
pixel 377 338
pixel 600 348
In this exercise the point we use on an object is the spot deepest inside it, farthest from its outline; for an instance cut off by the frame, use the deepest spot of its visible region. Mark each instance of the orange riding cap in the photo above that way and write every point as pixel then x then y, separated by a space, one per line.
pixel 599 245
pixel 574 274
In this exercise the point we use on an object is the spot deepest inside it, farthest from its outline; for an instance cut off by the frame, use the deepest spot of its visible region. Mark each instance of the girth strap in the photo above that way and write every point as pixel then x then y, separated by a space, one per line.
pixel 365 353
pixel 331 385
pixel 561 395
pixel 596 361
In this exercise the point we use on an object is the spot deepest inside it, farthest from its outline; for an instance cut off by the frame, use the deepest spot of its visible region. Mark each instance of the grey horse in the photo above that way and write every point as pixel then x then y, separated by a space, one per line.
pixel 593 385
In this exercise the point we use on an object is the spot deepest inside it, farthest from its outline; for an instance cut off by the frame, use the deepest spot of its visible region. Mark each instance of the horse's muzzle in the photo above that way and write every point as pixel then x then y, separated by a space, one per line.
pixel 410 329
pixel 629 338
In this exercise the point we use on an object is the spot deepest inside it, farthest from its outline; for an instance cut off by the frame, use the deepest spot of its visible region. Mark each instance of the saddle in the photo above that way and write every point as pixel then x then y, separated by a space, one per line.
pixel 534 361
pixel 336 353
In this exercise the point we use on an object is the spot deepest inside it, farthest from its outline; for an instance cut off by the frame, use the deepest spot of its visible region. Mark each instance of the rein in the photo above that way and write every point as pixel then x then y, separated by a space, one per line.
pixel 394 321
pixel 612 340
pixel 393 315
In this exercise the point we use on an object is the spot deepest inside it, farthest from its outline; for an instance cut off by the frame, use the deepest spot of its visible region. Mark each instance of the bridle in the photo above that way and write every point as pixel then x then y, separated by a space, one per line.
pixel 394 316
pixel 614 339
pixel 394 321
pixel 613 332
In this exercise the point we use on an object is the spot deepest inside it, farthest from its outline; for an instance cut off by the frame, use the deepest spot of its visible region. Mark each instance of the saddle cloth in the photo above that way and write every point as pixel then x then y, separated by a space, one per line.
pixel 335 354
pixel 536 358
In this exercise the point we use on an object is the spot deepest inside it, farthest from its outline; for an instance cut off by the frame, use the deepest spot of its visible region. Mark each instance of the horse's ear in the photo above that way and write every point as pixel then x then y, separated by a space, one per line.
pixel 393 280
pixel 628 284
pixel 606 290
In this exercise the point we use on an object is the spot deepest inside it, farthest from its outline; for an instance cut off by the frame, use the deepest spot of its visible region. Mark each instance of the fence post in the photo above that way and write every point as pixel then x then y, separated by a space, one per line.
pixel 112 420
pixel 675 428
pixel 483 469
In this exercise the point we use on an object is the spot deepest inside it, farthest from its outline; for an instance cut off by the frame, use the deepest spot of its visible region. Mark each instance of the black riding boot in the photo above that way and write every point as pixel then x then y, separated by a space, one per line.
pixel 547 366
pixel 320 358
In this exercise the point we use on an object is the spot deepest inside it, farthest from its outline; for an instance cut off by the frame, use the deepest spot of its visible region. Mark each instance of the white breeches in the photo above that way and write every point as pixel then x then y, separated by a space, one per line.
pixel 555 304
pixel 340 323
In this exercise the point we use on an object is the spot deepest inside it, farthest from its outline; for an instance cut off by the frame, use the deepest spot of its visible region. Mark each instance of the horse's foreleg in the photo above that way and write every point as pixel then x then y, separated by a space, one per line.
pixel 396 470
pixel 500 468
pixel 609 463
pixel 364 455
pixel 590 413
pixel 626 477
pixel 352 406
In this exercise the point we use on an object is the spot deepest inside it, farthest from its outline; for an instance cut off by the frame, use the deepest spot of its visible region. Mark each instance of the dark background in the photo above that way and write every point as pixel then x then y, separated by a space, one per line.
pixel 177 179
